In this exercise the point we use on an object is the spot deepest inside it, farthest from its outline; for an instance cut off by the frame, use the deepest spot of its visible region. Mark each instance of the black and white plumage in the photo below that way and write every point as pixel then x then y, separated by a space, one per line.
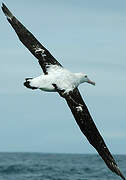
pixel 56 78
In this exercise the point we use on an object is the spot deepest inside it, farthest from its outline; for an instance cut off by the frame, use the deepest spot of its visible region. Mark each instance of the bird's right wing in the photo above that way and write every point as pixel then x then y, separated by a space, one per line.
pixel 26 37
pixel 88 127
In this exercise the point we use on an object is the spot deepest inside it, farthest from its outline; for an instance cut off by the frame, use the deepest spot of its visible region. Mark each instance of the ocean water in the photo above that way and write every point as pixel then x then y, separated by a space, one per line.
pixel 39 166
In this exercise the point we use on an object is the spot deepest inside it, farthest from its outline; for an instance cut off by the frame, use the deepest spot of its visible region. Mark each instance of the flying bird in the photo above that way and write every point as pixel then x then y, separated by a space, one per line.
pixel 58 79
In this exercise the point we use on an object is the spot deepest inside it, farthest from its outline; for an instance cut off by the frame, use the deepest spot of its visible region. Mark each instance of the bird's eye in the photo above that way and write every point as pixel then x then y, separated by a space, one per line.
pixel 85 76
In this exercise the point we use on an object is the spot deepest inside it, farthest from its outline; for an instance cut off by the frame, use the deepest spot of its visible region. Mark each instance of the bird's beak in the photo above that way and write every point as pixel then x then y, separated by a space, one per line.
pixel 91 82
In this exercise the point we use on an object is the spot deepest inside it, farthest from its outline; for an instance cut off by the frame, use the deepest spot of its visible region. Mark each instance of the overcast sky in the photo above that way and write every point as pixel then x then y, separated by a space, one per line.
pixel 87 36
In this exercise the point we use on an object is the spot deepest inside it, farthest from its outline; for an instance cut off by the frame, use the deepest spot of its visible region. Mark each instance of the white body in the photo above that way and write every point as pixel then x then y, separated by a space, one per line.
pixel 64 79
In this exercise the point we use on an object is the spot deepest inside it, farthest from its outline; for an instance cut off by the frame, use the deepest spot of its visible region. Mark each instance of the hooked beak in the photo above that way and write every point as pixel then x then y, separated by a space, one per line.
pixel 91 82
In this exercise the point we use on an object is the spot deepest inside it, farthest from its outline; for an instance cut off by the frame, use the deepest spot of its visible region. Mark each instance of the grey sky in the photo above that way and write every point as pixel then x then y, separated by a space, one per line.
pixel 87 36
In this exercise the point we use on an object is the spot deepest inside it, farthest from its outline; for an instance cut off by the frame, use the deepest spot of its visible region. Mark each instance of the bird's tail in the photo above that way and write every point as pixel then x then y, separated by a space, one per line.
pixel 27 84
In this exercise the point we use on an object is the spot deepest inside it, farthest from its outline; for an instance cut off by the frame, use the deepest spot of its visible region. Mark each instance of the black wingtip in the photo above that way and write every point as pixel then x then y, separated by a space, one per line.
pixel 118 172
pixel 3 4
pixel 6 11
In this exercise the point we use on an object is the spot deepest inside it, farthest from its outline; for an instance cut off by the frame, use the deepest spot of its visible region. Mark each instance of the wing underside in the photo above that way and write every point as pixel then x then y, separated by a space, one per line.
pixel 89 129
pixel 26 37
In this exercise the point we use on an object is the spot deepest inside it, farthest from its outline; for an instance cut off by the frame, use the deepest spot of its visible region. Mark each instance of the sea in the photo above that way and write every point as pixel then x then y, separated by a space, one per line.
pixel 44 166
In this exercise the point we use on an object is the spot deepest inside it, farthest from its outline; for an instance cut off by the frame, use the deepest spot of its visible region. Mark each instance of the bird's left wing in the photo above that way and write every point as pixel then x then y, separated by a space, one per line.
pixel 26 37
pixel 88 127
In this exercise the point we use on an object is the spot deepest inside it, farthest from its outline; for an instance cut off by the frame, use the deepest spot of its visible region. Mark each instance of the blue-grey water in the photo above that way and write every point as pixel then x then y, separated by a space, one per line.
pixel 39 166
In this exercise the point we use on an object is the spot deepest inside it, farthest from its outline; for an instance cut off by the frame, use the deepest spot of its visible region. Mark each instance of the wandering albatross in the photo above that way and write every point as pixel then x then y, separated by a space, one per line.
pixel 58 79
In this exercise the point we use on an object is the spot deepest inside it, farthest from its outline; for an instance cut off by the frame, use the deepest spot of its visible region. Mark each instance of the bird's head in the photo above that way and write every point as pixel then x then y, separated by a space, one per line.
pixel 84 78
